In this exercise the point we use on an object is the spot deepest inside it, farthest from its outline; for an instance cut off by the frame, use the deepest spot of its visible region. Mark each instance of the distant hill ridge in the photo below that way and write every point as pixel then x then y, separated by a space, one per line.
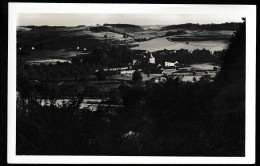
pixel 122 25
pixel 232 26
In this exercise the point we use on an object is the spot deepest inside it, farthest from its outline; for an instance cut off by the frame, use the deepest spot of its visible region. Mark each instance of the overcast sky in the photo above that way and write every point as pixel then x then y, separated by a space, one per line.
pixel 73 19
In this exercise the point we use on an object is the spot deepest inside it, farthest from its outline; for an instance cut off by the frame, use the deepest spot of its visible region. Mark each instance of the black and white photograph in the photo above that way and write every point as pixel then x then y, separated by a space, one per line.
pixel 114 82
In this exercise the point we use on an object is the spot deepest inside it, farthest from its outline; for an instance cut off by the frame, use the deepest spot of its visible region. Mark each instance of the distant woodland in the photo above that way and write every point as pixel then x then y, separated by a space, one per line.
pixel 215 27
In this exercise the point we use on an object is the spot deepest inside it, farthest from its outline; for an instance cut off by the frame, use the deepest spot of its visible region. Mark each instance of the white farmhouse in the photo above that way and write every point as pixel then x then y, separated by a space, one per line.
pixel 171 64
pixel 151 59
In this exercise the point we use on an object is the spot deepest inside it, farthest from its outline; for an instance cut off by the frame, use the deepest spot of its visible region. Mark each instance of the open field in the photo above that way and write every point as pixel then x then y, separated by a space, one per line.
pixel 128 77
pixel 152 27
pixel 106 85
pixel 203 66
pixel 162 43
pixel 148 34
pixel 90 103
pixel 198 66
pixel 46 54
pixel 49 56
pixel 190 78
pixel 183 76
pixel 47 61
pixel 100 35
pixel 198 39
pixel 196 34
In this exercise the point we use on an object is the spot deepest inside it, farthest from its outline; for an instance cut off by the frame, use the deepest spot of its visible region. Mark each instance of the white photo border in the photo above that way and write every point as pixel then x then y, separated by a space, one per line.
pixel 249 11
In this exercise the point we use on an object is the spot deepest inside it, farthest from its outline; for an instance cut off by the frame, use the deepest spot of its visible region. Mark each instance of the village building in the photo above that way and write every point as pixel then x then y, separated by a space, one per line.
pixel 171 64
pixel 134 61
pixel 127 71
pixel 151 59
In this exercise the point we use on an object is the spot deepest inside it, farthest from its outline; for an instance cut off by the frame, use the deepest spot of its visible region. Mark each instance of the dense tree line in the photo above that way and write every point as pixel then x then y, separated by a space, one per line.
pixel 124 28
pixel 43 27
pixel 213 27
pixel 100 29
pixel 201 38
pixel 49 38
pixel 115 56
pixel 120 56
pixel 52 72
pixel 187 57
pixel 62 79
pixel 56 42
pixel 178 32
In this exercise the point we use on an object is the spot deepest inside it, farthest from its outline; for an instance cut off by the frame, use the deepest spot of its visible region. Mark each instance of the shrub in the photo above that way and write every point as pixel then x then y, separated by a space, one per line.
pixel 137 76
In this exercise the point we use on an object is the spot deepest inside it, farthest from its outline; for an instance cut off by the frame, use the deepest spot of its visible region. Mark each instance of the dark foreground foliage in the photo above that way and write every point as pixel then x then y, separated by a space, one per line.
pixel 171 118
